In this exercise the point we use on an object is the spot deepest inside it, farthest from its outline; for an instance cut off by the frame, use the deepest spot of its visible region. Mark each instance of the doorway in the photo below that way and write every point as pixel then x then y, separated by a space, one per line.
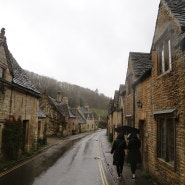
pixel 143 141
pixel 25 135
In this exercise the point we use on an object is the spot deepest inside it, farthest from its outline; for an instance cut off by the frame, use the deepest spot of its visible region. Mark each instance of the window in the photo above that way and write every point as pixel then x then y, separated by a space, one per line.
pixel 164 56
pixel 166 138
pixel 129 120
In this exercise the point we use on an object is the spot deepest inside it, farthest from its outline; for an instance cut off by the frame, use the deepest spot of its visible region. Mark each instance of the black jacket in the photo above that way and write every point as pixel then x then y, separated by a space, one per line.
pixel 134 155
pixel 118 149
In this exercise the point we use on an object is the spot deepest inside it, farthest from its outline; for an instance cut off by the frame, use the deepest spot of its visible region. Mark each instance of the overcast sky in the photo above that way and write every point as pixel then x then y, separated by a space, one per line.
pixel 82 42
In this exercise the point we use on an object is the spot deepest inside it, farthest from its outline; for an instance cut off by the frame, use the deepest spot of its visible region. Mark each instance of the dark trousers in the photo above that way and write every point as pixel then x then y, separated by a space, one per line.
pixel 119 167
pixel 133 167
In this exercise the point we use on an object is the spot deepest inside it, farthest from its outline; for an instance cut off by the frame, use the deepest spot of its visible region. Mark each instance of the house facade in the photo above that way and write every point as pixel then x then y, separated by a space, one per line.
pixel 154 100
pixel 138 97
pixel 19 99
pixel 57 115
pixel 91 118
pixel 116 110
pixel 168 94
pixel 80 120
pixel 62 120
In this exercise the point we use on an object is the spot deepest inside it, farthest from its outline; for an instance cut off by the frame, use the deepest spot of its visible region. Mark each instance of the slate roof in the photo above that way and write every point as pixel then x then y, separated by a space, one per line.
pixel 41 114
pixel 86 113
pixel 71 115
pixel 122 89
pixel 141 63
pixel 78 115
pixel 19 76
pixel 116 98
pixel 110 106
pixel 59 106
pixel 84 110
pixel 177 8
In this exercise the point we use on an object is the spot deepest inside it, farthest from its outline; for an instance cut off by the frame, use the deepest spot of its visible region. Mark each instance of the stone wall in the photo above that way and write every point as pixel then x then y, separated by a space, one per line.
pixel 21 106
pixel 144 119
pixel 52 116
pixel 168 92
pixel 17 103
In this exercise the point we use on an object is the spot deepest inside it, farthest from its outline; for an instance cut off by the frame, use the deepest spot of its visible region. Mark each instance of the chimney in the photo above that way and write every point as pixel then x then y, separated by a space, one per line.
pixel 65 100
pixel 87 107
pixel 59 97
pixel 2 32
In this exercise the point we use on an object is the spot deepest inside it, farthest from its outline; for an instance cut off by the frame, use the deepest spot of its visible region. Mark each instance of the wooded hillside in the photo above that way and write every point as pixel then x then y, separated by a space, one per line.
pixel 76 95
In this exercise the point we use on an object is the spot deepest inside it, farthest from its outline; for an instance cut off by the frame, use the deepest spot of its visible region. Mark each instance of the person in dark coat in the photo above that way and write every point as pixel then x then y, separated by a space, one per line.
pixel 134 155
pixel 118 151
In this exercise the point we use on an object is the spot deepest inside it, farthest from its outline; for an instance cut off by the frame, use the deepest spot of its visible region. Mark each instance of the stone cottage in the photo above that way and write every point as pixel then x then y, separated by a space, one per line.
pixel 116 112
pixel 57 115
pixel 79 120
pixel 166 135
pixel 91 122
pixel 138 96
pixel 18 96
pixel 154 100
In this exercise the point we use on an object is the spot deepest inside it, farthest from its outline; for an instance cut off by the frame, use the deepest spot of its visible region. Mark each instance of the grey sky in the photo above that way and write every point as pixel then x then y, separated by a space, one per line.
pixel 81 42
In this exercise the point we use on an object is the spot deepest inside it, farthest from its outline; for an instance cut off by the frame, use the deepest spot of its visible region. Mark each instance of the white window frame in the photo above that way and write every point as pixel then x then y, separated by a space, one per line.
pixel 164 56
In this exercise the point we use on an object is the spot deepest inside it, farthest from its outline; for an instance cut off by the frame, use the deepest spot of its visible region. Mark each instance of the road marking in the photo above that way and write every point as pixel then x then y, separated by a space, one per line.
pixel 102 173
pixel 19 165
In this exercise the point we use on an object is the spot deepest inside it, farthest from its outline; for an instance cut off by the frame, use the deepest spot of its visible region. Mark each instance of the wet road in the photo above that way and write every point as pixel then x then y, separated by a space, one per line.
pixel 75 162
pixel 81 165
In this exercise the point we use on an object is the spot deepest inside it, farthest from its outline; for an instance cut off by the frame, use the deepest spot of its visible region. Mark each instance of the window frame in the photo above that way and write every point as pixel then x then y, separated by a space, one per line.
pixel 164 55
pixel 166 39
pixel 164 122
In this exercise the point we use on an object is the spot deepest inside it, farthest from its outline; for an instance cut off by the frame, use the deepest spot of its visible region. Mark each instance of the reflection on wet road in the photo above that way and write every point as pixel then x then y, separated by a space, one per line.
pixel 77 161
pixel 77 166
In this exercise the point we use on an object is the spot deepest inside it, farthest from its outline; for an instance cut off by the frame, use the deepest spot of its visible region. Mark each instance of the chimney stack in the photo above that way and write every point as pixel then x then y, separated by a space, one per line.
pixel 65 100
pixel 59 97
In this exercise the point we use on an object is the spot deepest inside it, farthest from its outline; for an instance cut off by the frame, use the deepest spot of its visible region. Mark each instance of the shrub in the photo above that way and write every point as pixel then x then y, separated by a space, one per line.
pixel 12 138
pixel 145 174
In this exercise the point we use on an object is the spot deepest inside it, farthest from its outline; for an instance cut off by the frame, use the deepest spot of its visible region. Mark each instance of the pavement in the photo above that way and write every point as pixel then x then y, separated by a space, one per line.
pixel 126 180
pixel 108 158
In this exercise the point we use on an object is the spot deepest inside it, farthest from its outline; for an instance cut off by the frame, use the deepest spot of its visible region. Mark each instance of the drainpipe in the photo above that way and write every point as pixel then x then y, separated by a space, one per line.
pixel 25 111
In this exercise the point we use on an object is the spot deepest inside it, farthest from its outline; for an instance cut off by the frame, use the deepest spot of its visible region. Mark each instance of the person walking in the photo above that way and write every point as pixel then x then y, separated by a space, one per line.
pixel 118 151
pixel 134 155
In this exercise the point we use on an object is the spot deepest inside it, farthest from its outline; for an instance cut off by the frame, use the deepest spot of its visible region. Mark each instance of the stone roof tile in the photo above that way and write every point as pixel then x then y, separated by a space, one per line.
pixel 122 89
pixel 20 77
pixel 141 63
pixel 41 114
pixel 177 7
pixel 78 115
